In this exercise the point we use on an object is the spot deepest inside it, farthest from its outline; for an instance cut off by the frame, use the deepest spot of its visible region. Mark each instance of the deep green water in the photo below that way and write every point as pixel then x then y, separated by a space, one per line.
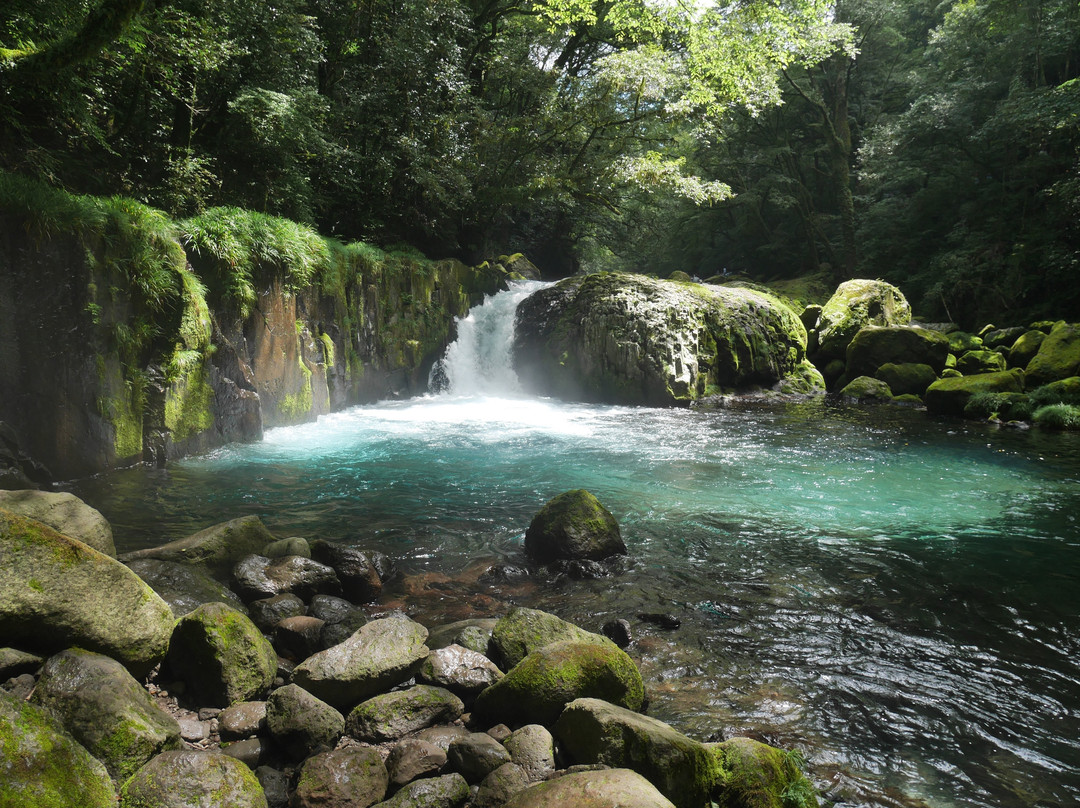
pixel 896 596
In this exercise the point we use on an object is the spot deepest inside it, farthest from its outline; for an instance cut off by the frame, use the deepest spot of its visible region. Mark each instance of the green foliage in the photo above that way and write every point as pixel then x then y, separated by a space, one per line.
pixel 1058 416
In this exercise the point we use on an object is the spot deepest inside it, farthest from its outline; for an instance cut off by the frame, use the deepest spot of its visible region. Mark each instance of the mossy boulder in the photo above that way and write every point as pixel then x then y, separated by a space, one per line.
pixel 41 765
pixel 56 592
pixel 907 378
pixel 447 791
pixel 594 731
pixel 866 389
pixel 378 656
pixel 536 689
pixel 630 339
pixel 960 342
pixel 301 723
pixel 343 778
pixel 217 547
pixel 187 778
pixel 65 513
pixel 390 716
pixel 974 362
pixel 522 631
pixel 854 305
pixel 1002 338
pixel 1058 356
pixel 755 775
pixel 183 586
pixel 573 525
pixel 221 656
pixel 605 788
pixel 106 710
pixel 1025 347
pixel 875 346
pixel 949 396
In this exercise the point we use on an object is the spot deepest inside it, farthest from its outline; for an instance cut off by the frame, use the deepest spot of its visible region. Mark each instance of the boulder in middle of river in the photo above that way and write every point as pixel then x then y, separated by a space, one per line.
pixel 574 525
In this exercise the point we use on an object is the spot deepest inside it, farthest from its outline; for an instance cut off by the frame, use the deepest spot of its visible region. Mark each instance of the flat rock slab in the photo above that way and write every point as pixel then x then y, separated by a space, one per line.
pixel 381 654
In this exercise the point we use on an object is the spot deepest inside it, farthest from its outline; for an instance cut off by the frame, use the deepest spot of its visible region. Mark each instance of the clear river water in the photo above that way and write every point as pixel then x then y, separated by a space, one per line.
pixel 897 597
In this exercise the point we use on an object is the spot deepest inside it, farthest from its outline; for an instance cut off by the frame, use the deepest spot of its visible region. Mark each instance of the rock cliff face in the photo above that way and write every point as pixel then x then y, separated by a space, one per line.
pixel 636 340
pixel 100 367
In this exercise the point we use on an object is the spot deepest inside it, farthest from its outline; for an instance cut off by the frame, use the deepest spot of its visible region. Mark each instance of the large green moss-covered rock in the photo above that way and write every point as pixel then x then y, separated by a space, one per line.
pixel 756 775
pixel 906 379
pixel 56 592
pixel 606 788
pixel 42 766
pixel 855 305
pixel 217 547
pixel 537 688
pixel 193 779
pixel 1058 356
pixel 522 631
pixel 974 362
pixel 635 340
pixel 594 731
pixel 874 346
pixel 221 656
pixel 865 389
pixel 949 396
pixel 65 513
pixel 1025 347
pixel 573 525
pixel 106 709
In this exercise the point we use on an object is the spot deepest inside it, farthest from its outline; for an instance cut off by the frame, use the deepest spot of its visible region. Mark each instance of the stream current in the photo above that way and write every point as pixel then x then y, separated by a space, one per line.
pixel 895 596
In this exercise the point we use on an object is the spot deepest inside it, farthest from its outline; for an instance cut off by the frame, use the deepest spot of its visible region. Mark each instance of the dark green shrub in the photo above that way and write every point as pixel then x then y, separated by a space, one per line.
pixel 1058 416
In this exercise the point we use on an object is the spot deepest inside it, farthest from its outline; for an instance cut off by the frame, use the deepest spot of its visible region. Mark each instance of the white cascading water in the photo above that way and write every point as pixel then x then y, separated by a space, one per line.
pixel 480 361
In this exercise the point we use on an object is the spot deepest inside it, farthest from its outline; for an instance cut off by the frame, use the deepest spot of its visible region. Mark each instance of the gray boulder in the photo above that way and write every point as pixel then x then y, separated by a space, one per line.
pixel 332 609
pixel 604 788
pixel 594 731
pixel 42 765
pixel 193 778
pixel 854 305
pixel 630 339
pixel 573 525
pixel 344 778
pixel 183 586
pixel 360 579
pixel 447 791
pixel 414 759
pixel 459 670
pixel 389 716
pixel 301 723
pixel 532 747
pixel 476 755
pixel 258 577
pixel 65 513
pixel 500 785
pixel 268 612
pixel 242 720
pixel 522 631
pixel 217 548
pixel 381 654
pixel 537 688
pixel 221 656
pixel 106 710
pixel 292 546
pixel 56 592
pixel 473 634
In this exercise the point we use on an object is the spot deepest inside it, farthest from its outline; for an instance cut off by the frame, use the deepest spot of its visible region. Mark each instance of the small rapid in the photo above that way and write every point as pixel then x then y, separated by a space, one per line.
pixel 896 597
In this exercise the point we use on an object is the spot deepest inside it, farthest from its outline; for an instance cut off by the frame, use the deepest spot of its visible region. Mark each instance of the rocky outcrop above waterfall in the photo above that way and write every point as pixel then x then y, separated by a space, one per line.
pixel 631 339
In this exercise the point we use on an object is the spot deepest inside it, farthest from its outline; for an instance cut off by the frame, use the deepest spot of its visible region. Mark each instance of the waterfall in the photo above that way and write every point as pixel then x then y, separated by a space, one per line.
pixel 480 361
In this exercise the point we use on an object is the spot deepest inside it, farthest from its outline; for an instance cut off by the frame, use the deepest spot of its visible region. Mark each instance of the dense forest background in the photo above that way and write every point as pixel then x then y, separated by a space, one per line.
pixel 932 143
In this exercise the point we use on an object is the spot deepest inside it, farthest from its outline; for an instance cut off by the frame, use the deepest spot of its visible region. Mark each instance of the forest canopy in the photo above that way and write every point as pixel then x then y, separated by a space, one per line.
pixel 933 144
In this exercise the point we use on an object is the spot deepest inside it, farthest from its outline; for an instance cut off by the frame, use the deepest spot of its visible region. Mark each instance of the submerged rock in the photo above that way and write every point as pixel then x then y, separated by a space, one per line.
pixel 631 339
pixel 573 525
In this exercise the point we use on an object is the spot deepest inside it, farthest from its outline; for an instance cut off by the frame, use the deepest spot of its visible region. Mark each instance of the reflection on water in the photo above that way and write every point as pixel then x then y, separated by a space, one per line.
pixel 895 596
